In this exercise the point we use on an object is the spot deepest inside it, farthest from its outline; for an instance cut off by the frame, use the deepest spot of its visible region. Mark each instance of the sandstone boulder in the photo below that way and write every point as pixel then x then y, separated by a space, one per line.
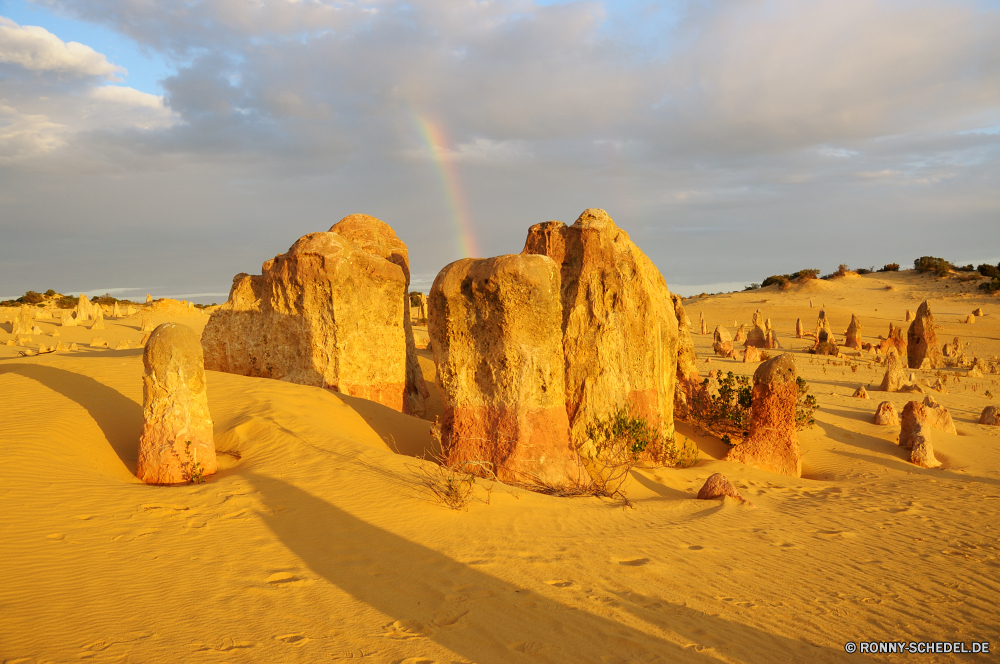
pixel 757 335
pixel 149 298
pixel 773 443
pixel 122 345
pixel 953 349
pixel 73 346
pixel 98 342
pixel 116 311
pixel 177 443
pixel 894 378
pixel 854 334
pixel 85 309
pixel 60 346
pixel 23 322
pixel 922 342
pixel 619 328
pixel 376 238
pixel 938 416
pixel 723 348
pixel 825 344
pixel 978 312
pixel 741 334
pixel 704 325
pixel 67 319
pixel 496 332
pixel 970 319
pixel 923 450
pixel 721 334
pixel 36 330
pixel 990 415
pixel 146 325
pixel 98 320
pixel 798 328
pixel 860 393
pixel 823 325
pixel 717 486
pixel 329 313
pixel 885 414
pixel 896 340
pixel 771 340
pixel 688 382
pixel 909 316
pixel 751 354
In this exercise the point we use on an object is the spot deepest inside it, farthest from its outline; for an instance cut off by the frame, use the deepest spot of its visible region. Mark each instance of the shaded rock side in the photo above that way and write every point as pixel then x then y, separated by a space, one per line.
pixel 922 453
pixel 85 309
pixel 895 377
pixel 799 331
pixel 326 313
pixel 773 443
pixel 177 443
pixel 375 237
pixel 938 416
pixel 619 328
pixel 921 340
pixel 496 331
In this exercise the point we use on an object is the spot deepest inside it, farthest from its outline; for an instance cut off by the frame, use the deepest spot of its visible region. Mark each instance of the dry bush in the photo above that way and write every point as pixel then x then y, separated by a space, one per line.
pixel 454 485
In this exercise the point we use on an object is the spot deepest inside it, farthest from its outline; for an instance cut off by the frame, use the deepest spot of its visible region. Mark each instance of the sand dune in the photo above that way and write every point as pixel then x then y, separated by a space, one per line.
pixel 316 542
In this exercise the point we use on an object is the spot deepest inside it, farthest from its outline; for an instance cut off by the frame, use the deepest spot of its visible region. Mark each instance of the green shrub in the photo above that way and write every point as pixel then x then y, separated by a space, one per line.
pixel 31 297
pixel 805 405
pixel 866 270
pixel 727 412
pixel 989 270
pixel 617 441
pixel 938 266
pixel 890 267
pixel 49 293
pixel 779 279
pixel 990 286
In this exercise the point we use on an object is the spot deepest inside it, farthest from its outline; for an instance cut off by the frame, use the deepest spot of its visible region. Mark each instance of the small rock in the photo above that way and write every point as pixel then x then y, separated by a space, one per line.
pixel 861 393
pixel 885 414
pixel 990 415
pixel 717 486
pixel 98 342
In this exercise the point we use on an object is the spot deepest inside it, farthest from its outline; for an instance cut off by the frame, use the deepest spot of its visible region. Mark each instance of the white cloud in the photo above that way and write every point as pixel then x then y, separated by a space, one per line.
pixel 23 135
pixel 38 50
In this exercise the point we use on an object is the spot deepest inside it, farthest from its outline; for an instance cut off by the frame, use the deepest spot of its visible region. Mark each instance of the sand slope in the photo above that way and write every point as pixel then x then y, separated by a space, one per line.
pixel 316 543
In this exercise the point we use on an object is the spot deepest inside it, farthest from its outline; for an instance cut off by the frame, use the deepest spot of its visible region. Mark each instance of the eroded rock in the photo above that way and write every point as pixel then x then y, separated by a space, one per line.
pixel 885 414
pixel 922 342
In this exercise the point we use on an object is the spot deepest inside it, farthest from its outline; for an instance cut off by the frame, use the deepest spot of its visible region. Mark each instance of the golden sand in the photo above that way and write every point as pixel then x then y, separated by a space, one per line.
pixel 315 541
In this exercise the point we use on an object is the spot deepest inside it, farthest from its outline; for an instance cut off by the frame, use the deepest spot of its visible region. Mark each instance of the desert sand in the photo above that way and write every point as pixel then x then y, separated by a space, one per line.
pixel 315 541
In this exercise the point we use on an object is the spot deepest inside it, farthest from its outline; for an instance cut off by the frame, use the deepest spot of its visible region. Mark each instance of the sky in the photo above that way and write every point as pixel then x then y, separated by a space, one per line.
pixel 164 147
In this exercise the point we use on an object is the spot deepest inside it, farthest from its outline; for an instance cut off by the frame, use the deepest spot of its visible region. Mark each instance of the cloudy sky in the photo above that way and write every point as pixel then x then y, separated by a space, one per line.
pixel 166 146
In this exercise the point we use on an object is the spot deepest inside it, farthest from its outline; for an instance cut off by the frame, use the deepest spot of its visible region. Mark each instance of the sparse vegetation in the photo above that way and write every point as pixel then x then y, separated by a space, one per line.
pixel 727 412
pixel 990 271
pixel 938 266
pixel 866 270
pixel 784 280
pixel 890 267
pixel 195 473
pixel 991 286
pixel 805 405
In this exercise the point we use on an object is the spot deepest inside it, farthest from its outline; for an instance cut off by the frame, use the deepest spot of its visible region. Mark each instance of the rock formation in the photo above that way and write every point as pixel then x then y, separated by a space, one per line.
pixel 149 298
pixel 717 486
pixel 771 340
pixel 418 301
pixel 923 451
pixel 798 328
pixel 122 345
pixel 751 354
pixel 688 380
pixel 894 377
pixel 885 414
pixel 177 443
pixel 909 316
pixel 60 346
pixel 146 325
pixel 741 334
pixel 921 340
pixel 331 312
pixel 23 321
pixel 723 348
pixel 823 325
pixel 702 324
pixel 854 334
pixel 990 415
pixel 952 349
pixel 619 328
pixel 938 416
pixel 496 331
pixel 116 311
pixel 376 238
pixel 978 312
pixel 825 344
pixel 85 309
pixel 67 319
pixel 73 346
pixel 757 336
pixel 98 342
pixel 36 330
pixel 772 444
pixel 896 340
pixel 860 393
pixel 98 319
pixel 721 334
pixel 970 319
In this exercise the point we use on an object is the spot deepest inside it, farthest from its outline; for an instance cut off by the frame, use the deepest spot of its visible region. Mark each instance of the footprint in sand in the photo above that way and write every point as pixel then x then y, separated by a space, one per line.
pixel 292 639
pixel 532 647
pixel 56 537
pixel 417 660
pixel 560 584
pixel 85 517
pixel 285 579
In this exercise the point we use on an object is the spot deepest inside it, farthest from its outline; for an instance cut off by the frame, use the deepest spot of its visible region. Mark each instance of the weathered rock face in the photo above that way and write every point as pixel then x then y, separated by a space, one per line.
pixel 147 323
pixel 970 319
pixel 757 336
pixel 418 301
pixel 326 313
pixel 823 325
pixel 894 377
pixel 85 309
pixel 896 340
pixel 177 443
pixel 909 316
pixel 773 443
pixel 67 319
pixel 751 354
pixel 149 298
pixel 741 335
pixel 825 344
pixel 688 380
pixel 377 238
pixel 953 349
pixel 978 312
pixel 798 328
pixel 990 415
pixel 854 334
pixel 923 450
pixel 23 323
pixel 619 328
pixel 938 416
pixel 921 340
pixel 860 393
pixel 116 311
pixel 703 324
pixel 496 331
pixel 721 334
pixel 98 320
pixel 723 348
pixel 885 414
pixel 717 486
pixel 771 340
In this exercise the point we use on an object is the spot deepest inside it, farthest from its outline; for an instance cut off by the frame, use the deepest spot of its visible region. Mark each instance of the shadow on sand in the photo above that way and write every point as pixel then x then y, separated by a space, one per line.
pixel 119 418
pixel 478 616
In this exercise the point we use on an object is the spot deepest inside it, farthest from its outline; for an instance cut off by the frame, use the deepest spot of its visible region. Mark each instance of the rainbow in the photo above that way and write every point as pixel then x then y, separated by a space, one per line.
pixel 435 143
